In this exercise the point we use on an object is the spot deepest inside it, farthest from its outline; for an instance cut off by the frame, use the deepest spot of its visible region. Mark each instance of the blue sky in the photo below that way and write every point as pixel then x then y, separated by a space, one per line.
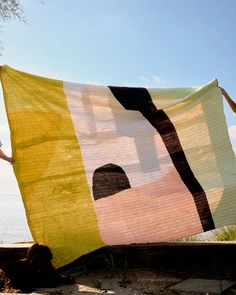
pixel 155 43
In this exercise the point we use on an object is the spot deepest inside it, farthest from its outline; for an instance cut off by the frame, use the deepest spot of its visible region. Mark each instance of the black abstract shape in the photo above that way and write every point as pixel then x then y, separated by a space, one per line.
pixel 139 99
pixel 109 180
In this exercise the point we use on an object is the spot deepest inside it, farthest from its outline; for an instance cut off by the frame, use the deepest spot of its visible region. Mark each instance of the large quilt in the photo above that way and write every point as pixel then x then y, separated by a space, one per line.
pixel 108 165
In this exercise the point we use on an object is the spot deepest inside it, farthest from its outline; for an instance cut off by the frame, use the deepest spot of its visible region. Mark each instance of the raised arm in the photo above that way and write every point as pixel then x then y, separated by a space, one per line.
pixel 231 103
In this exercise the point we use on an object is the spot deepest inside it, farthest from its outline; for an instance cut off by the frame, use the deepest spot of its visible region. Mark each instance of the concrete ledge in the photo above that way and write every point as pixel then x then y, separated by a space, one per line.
pixel 167 255
pixel 16 251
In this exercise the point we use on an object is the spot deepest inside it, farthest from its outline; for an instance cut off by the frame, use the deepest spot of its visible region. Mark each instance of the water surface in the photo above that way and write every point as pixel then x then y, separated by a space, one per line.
pixel 13 224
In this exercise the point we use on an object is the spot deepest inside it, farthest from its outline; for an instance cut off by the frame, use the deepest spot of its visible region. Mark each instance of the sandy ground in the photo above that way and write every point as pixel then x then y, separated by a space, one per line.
pixel 148 270
pixel 132 282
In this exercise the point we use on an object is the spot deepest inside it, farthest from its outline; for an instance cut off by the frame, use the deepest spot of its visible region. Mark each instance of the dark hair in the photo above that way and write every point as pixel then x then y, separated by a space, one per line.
pixel 38 249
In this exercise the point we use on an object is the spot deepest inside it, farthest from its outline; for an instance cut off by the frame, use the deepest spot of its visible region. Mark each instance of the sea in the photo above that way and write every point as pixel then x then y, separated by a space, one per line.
pixel 13 222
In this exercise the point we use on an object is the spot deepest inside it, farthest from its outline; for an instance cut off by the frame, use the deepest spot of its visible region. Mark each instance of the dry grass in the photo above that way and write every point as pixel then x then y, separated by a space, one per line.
pixel 225 233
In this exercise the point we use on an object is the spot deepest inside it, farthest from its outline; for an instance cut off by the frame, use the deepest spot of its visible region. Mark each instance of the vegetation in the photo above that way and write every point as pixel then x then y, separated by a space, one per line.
pixel 10 9
pixel 226 233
